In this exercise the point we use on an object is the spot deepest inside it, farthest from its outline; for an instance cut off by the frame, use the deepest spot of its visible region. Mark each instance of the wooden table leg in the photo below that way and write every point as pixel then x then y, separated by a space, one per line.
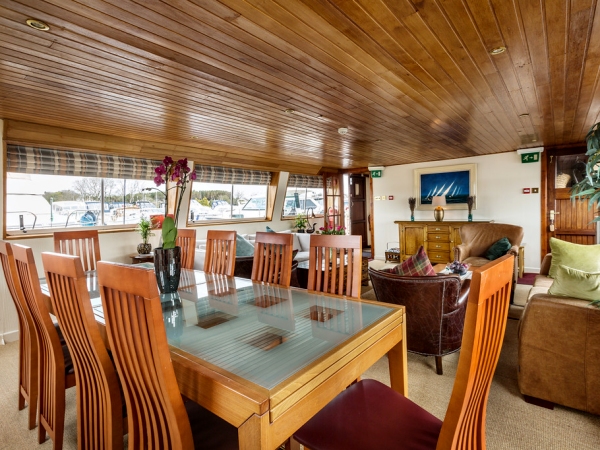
pixel 398 364
pixel 253 433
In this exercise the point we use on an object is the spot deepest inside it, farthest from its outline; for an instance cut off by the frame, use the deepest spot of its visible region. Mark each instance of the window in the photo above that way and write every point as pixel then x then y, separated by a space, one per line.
pixel 304 195
pixel 49 189
pixel 221 193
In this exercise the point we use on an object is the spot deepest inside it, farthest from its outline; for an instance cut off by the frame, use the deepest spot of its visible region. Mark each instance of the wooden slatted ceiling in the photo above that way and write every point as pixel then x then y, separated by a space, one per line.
pixel 412 80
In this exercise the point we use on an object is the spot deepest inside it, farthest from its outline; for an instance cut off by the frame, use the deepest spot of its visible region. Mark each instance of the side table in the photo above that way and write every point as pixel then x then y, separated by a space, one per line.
pixel 521 261
pixel 136 258
pixel 392 256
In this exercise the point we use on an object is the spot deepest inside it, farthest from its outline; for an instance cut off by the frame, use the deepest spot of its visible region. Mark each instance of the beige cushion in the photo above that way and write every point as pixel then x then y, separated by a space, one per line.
pixel 543 281
pixel 575 283
pixel 536 290
pixel 476 261
pixel 576 256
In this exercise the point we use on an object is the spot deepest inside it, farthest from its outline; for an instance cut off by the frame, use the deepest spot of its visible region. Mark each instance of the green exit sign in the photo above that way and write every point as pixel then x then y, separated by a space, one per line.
pixel 530 157
pixel 376 173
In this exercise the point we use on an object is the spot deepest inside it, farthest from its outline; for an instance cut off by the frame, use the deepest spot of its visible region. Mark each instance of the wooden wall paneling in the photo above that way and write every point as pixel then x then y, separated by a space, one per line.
pixel 588 107
pixel 579 29
pixel 413 81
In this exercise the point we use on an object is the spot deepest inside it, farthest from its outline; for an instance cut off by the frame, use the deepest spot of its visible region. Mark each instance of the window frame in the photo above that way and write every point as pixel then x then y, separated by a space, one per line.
pixel 293 217
pixel 270 205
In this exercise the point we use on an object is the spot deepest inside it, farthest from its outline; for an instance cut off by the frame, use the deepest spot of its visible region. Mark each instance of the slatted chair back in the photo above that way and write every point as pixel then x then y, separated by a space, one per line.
pixel 83 243
pixel 220 252
pixel 53 376
pixel 99 404
pixel 273 258
pixel 485 323
pixel 28 344
pixel 186 239
pixel 156 415
pixel 393 421
pixel 335 264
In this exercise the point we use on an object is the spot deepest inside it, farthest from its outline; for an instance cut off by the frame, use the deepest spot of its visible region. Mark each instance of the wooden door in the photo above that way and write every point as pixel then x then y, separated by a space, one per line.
pixel 358 207
pixel 563 218
pixel 334 199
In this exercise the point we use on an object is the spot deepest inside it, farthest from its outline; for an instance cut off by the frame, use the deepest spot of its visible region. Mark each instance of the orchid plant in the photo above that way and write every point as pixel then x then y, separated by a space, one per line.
pixel 178 173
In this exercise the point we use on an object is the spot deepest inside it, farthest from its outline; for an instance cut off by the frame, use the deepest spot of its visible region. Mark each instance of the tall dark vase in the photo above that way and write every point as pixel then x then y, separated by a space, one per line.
pixel 167 267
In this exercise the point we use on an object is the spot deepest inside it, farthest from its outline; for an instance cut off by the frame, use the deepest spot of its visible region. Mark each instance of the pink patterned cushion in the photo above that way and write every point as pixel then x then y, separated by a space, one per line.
pixel 417 265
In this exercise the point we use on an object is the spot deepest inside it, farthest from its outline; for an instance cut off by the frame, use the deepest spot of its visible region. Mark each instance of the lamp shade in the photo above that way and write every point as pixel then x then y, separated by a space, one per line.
pixel 438 200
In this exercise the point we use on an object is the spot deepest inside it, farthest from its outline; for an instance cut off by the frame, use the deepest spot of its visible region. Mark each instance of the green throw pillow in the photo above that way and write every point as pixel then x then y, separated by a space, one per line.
pixel 575 283
pixel 243 247
pixel 576 256
pixel 270 230
pixel 498 249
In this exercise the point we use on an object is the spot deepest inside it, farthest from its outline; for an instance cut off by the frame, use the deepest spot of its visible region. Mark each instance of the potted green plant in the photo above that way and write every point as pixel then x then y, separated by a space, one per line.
pixel 589 186
pixel 145 229
pixel 301 223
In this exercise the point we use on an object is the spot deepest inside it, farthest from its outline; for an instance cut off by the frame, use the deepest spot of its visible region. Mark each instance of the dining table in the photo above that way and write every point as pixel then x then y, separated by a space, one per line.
pixel 267 358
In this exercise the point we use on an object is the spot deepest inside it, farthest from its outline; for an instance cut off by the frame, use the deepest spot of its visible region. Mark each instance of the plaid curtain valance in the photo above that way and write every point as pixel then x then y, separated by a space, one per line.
pixel 48 161
pixel 229 175
pixel 305 181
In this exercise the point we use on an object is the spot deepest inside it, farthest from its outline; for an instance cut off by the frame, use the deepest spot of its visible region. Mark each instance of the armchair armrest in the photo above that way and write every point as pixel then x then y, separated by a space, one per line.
pixel 514 250
pixel 462 252
pixel 546 262
pixel 558 350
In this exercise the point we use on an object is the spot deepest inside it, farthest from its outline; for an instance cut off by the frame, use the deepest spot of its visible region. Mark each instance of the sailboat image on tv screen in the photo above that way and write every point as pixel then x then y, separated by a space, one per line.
pixel 453 185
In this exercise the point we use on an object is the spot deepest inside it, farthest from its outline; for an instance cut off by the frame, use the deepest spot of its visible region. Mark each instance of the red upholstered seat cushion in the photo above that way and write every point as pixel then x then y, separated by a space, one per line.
pixel 370 415
pixel 418 265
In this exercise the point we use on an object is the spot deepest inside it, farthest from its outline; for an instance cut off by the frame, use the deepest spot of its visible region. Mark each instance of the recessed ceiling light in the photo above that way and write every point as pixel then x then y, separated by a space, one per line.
pixel 497 50
pixel 37 24
pixel 289 111
pixel 343 130
pixel 524 115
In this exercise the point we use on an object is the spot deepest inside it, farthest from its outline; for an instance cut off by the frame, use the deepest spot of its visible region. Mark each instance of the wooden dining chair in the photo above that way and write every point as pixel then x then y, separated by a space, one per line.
pixel 55 367
pixel 99 404
pixel 186 239
pixel 220 252
pixel 157 415
pixel 28 343
pixel 82 243
pixel 335 264
pixel 370 415
pixel 273 258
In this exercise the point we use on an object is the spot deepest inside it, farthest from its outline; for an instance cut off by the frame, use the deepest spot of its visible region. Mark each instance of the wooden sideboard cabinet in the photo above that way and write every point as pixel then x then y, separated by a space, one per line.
pixel 438 238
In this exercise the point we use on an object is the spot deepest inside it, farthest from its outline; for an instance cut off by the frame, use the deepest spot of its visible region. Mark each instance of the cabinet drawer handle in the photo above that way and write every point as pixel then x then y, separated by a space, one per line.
pixel 437 237
pixel 437 229
pixel 438 246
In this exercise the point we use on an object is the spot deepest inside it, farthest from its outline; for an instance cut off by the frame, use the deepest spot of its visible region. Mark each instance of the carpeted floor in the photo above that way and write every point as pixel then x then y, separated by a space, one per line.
pixel 512 423
pixel 527 278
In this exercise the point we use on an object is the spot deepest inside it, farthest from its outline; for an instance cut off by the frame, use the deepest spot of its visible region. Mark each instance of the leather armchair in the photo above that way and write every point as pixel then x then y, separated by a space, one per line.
pixel 435 310
pixel 476 238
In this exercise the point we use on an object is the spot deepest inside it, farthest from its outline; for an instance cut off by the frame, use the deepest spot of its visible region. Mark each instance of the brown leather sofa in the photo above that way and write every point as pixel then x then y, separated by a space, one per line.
pixel 476 238
pixel 435 310
pixel 559 348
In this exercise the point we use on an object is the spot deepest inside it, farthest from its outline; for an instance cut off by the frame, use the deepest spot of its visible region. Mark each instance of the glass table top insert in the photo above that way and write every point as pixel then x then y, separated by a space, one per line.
pixel 262 333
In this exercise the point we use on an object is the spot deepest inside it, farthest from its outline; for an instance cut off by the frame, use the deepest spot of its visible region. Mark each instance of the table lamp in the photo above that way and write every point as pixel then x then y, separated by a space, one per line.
pixel 438 202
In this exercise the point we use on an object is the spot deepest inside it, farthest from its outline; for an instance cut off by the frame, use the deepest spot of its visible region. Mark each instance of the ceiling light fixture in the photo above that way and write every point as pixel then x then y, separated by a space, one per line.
pixel 343 130
pixel 37 24
pixel 498 50
pixel 524 115
pixel 289 111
